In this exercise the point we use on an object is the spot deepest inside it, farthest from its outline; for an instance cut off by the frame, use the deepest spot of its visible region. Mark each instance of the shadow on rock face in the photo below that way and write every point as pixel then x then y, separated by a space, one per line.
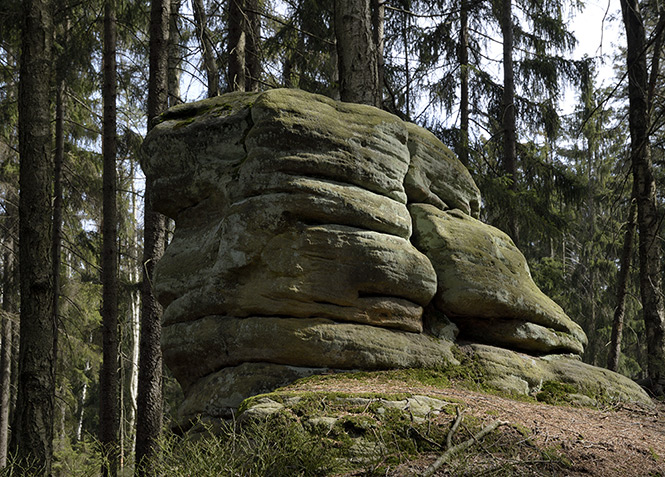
pixel 311 235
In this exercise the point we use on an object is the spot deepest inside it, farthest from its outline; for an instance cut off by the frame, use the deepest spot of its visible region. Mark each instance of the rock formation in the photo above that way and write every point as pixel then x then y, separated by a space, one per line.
pixel 314 236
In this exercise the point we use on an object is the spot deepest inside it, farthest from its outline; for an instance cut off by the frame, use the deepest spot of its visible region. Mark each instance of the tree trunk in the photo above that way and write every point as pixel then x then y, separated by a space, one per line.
pixel 252 45
pixel 208 49
pixel 9 310
pixel 32 433
pixel 378 34
pixel 132 323
pixel 508 108
pixel 647 213
pixel 16 340
pixel 463 58
pixel 109 413
pixel 237 46
pixel 5 384
pixel 149 403
pixel 407 72
pixel 57 196
pixel 356 53
pixel 81 402
pixel 175 55
pixel 622 281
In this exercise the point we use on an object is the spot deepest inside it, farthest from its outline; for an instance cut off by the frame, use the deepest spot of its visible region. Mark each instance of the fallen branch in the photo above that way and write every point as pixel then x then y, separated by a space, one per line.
pixel 453 429
pixel 460 447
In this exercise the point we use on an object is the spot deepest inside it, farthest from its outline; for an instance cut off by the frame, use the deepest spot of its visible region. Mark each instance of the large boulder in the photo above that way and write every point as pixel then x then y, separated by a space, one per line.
pixel 316 236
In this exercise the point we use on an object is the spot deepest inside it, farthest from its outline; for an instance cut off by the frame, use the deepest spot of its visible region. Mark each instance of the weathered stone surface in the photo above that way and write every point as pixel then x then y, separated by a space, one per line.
pixel 483 276
pixel 519 334
pixel 295 252
pixel 523 374
pixel 191 155
pixel 219 394
pixel 199 348
pixel 303 213
pixel 437 177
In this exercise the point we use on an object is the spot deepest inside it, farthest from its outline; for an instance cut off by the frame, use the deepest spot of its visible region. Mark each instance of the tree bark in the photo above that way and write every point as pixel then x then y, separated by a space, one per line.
pixel 175 55
pixel 356 53
pixel 252 45
pixel 406 24
pixel 237 46
pixel 8 358
pixel 622 281
pixel 647 214
pixel 5 384
pixel 32 433
pixel 16 340
pixel 463 58
pixel 9 309
pixel 149 403
pixel 508 108
pixel 378 34
pixel 109 386
pixel 57 196
pixel 209 57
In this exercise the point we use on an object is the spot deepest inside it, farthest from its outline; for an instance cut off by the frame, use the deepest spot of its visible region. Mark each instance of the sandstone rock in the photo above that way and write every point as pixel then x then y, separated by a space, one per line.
pixel 523 374
pixel 483 276
pixel 202 347
pixel 293 251
pixel 519 334
pixel 437 177
pixel 191 154
pixel 302 214
pixel 219 394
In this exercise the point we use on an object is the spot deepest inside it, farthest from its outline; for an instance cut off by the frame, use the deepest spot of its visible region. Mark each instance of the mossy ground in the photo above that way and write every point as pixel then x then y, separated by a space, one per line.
pixel 365 436
pixel 343 425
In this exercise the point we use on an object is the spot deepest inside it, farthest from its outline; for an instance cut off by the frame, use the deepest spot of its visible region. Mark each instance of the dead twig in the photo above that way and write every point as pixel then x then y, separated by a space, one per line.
pixel 460 447
pixel 453 429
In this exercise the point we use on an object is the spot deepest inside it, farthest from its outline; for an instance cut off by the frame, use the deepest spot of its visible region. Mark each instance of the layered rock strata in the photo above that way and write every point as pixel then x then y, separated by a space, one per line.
pixel 313 235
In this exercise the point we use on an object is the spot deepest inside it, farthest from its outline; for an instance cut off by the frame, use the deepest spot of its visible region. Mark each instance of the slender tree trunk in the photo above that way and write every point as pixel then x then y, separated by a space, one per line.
pixel 647 214
pixel 9 309
pixel 209 57
pixel 81 402
pixel 132 323
pixel 16 340
pixel 508 108
pixel 57 196
pixel 5 384
pixel 175 55
pixel 109 386
pixel 463 58
pixel 622 281
pixel 378 33
pixel 32 432
pixel 149 417
pixel 356 53
pixel 659 32
pixel 237 46
pixel 252 45
pixel 407 71
pixel 589 257
pixel 8 358
pixel 287 69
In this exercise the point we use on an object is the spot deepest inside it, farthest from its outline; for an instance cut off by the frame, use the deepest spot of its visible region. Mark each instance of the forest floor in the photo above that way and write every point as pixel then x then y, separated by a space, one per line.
pixel 539 439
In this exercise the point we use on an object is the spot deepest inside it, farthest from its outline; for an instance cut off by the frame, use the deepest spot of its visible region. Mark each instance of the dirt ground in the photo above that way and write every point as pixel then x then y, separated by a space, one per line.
pixel 623 440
